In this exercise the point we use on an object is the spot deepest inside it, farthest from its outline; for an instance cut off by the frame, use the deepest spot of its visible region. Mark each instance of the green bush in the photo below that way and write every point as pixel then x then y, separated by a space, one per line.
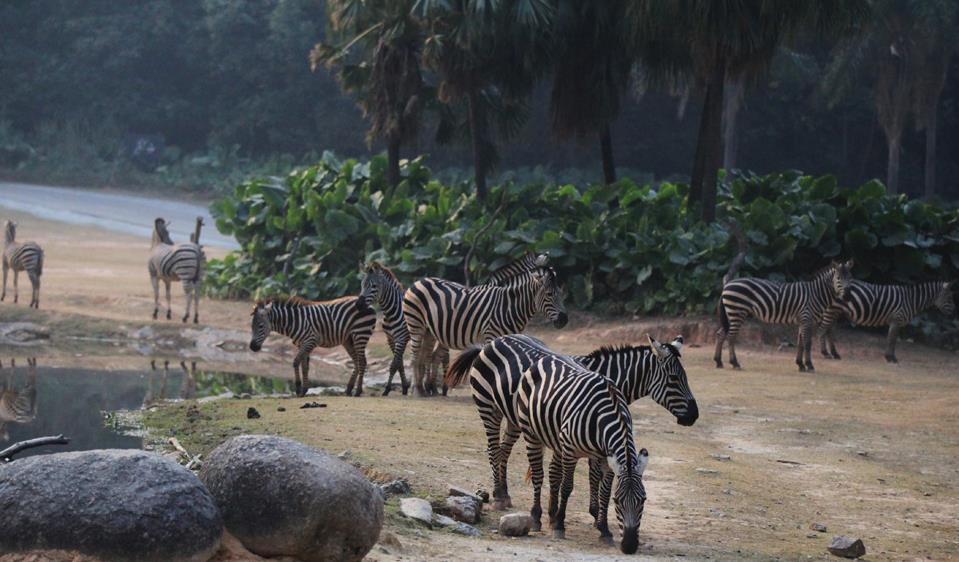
pixel 619 248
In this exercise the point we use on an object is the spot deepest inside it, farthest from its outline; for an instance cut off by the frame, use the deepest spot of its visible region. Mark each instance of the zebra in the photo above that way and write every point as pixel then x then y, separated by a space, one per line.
pixel 801 302
pixel 867 304
pixel 495 370
pixel 528 262
pixel 381 286
pixel 448 314
pixel 26 256
pixel 578 413
pixel 171 262
pixel 18 405
pixel 344 321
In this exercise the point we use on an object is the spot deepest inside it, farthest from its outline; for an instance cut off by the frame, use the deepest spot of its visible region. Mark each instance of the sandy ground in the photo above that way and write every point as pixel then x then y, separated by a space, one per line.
pixel 871 448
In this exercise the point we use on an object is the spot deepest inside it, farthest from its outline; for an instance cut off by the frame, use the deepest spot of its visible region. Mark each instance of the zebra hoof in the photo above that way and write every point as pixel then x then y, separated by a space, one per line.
pixel 185 318
pixel 736 366
pixel 891 359
pixel 359 392
pixel 196 320
pixel 836 356
pixel 387 389
pixel 606 539
pixel 559 533
pixel 802 368
pixel 169 315
pixel 154 315
pixel 810 368
pixel 406 390
pixel 500 504
pixel 719 364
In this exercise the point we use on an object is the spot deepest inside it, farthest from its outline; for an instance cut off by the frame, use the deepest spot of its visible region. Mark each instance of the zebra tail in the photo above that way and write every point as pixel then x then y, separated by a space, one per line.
pixel 459 369
pixel 723 319
pixel 529 474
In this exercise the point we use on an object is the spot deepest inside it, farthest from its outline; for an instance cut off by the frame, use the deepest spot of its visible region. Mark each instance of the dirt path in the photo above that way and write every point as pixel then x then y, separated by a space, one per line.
pixel 871 447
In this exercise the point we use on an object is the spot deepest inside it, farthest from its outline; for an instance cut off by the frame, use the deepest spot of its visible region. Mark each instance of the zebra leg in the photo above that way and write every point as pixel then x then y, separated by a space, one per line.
pixel 491 424
pixel 305 372
pixel 810 330
pixel 832 344
pixel 348 346
pixel 296 374
pixel 35 284
pixel 359 345
pixel 731 341
pixel 16 290
pixel 804 347
pixel 534 452
pixel 196 303
pixel 891 343
pixel 156 295
pixel 443 353
pixel 555 482
pixel 5 268
pixel 510 436
pixel 801 346
pixel 569 468
pixel 169 300
pixel 424 364
pixel 823 336
pixel 605 489
pixel 718 355
pixel 389 380
pixel 595 475
pixel 188 292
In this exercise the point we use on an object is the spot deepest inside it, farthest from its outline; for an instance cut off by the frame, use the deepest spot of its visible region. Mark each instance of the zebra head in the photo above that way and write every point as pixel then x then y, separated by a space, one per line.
pixel 841 276
pixel 549 297
pixel 161 233
pixel 944 300
pixel 630 496
pixel 261 326
pixel 375 280
pixel 9 231
pixel 669 386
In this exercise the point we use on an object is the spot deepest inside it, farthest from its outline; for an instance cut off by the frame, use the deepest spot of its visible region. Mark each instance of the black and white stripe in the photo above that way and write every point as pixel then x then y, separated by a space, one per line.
pixel 495 370
pixel 171 262
pixel 895 306
pixel 578 413
pixel 450 316
pixel 527 263
pixel 17 404
pixel 27 257
pixel 310 324
pixel 801 302
pixel 380 286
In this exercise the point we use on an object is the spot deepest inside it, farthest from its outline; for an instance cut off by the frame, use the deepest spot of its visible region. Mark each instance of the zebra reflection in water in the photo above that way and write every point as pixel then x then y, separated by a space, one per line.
pixel 17 404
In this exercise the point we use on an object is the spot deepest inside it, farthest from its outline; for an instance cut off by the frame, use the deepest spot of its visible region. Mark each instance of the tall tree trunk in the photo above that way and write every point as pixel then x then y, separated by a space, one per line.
pixel 930 175
pixel 699 167
pixel 606 147
pixel 894 141
pixel 732 103
pixel 712 156
pixel 393 162
pixel 477 122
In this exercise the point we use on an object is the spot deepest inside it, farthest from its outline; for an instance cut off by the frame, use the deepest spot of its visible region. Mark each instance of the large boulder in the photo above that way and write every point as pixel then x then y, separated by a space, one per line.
pixel 282 498
pixel 107 504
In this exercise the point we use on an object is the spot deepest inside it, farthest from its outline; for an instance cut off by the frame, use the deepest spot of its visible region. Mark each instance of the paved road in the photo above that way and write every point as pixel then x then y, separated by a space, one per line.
pixel 130 214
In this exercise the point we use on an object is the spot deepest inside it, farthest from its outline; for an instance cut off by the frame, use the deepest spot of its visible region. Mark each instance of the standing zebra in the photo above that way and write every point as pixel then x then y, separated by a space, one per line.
pixel 495 371
pixel 381 286
pixel 344 321
pixel 528 262
pixel 26 256
pixel 454 317
pixel 578 413
pixel 881 305
pixel 171 262
pixel 801 302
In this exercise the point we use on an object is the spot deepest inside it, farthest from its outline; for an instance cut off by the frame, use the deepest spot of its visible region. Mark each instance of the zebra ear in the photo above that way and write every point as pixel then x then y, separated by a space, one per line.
pixel 657 347
pixel 613 465
pixel 542 259
pixel 947 285
pixel 678 343
pixel 643 461
pixel 850 263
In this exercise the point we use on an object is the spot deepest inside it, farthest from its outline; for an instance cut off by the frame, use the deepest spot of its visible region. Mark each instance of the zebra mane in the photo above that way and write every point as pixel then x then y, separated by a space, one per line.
pixel 607 350
pixel 296 301
pixel 380 267
pixel 617 397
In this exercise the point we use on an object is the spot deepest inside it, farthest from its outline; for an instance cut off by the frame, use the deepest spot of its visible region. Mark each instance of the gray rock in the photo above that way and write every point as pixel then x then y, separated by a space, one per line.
pixel 398 487
pixel 457 491
pixel 515 524
pixel 463 508
pixel 251 413
pixel 282 498
pixel 108 504
pixel 847 547
pixel 418 509
pixel 456 526
pixel 818 527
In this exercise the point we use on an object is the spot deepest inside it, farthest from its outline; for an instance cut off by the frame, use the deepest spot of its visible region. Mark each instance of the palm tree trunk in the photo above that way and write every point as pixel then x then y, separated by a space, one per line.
pixel 393 162
pixel 930 175
pixel 894 141
pixel 731 106
pixel 606 147
pixel 696 180
pixel 477 122
pixel 713 154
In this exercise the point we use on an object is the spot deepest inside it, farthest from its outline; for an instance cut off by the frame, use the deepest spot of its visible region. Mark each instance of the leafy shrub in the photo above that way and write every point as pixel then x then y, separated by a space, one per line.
pixel 619 248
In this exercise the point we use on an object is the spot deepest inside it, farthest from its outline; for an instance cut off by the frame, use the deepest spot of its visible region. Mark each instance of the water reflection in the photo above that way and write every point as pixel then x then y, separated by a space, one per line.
pixel 37 401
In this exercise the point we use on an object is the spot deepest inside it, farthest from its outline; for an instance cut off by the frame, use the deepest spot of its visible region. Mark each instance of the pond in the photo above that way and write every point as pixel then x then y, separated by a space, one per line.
pixel 39 401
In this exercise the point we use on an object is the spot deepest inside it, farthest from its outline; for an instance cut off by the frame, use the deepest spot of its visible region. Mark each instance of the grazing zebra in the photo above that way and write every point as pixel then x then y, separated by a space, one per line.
pixel 18 405
pixel 454 317
pixel 866 304
pixel 343 321
pixel 26 256
pixel 801 302
pixel 171 262
pixel 578 413
pixel 495 371
pixel 381 286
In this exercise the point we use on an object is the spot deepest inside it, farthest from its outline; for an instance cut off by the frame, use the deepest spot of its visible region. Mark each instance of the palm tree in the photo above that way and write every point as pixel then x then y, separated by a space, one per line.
pixel 486 54
pixel 592 67
pixel 385 75
pixel 906 49
pixel 729 40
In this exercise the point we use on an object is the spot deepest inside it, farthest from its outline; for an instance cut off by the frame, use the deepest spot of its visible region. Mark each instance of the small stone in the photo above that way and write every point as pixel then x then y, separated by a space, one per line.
pixel 398 487
pixel 463 508
pixel 818 527
pixel 722 457
pixel 457 491
pixel 847 547
pixel 280 409
pixel 812 536
pixel 707 471
pixel 389 539
pixel 515 524
pixel 862 453
pixel 245 396
pixel 418 509
pixel 251 413
pixel 312 405
pixel 345 455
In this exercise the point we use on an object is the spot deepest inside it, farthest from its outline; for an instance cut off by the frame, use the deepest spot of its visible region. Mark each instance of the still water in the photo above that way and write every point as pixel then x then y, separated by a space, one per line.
pixel 38 401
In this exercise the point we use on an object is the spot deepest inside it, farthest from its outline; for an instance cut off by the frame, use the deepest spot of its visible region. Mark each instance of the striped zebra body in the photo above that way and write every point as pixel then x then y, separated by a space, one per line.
pixel 26 257
pixel 895 306
pixel 577 413
pixel 381 286
pixel 802 303
pixel 311 324
pixel 18 406
pixel 171 262
pixel 450 316
pixel 495 371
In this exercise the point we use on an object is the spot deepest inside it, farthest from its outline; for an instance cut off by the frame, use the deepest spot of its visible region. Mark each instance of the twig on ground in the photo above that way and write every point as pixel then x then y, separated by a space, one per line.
pixel 7 454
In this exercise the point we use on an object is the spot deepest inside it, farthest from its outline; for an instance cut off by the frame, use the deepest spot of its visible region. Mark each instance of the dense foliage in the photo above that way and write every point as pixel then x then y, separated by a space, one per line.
pixel 622 247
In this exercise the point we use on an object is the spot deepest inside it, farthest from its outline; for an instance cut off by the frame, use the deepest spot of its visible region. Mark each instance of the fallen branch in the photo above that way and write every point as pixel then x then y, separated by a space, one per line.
pixel 479 235
pixel 192 461
pixel 743 246
pixel 7 454
pixel 784 461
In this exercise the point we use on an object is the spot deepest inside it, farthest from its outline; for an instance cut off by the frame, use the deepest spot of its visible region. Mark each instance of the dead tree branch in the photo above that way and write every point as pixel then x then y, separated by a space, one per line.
pixel 7 454
pixel 476 239
pixel 743 246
